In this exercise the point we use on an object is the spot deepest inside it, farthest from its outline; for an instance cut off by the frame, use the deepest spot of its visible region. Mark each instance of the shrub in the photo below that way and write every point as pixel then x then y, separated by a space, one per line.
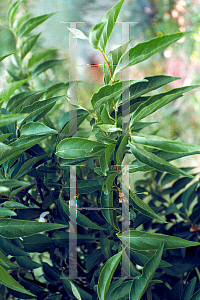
pixel 44 166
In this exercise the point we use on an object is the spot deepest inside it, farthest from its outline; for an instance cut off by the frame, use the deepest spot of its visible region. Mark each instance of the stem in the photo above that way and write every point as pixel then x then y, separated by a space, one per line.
pixel 112 80
pixel 39 189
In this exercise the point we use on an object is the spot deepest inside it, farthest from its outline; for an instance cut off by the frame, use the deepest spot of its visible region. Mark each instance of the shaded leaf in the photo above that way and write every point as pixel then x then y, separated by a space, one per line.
pixel 46 65
pixel 37 56
pixel 10 88
pixel 37 129
pixel 28 45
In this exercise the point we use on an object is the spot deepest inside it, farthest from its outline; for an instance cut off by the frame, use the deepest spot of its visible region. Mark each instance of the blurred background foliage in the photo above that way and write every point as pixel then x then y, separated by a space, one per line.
pixel 153 18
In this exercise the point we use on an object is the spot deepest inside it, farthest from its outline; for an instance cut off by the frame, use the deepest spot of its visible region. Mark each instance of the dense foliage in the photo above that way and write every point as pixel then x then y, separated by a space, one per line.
pixel 38 154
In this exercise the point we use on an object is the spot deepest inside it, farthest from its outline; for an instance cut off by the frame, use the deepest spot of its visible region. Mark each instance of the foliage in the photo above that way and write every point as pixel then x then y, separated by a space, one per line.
pixel 36 156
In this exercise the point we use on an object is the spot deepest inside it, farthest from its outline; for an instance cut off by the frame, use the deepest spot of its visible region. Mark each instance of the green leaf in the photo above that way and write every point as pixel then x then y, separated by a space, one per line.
pixel 13 204
pixel 189 289
pixel 121 149
pixel 10 118
pixel 32 23
pixel 81 219
pixel 109 182
pixel 7 280
pixel 36 243
pixel 157 101
pixel 26 263
pixel 37 56
pixel 28 45
pixel 78 34
pixel 38 107
pixel 27 165
pixel 141 257
pixel 113 58
pixel 196 295
pixel 151 83
pixel 140 285
pixel 106 275
pixel 163 144
pixel 17 100
pixel 120 291
pixel 7 152
pixel 12 11
pixel 4 56
pixel 153 161
pixel 102 31
pixel 10 88
pixel 18 22
pixel 13 228
pixel 106 201
pixel 141 206
pixel 85 186
pixel 46 65
pixel 6 212
pixel 73 290
pixel 37 129
pixel 141 240
pixel 105 158
pixel 9 248
pixel 144 50
pixel 108 92
pixel 72 148
pixel 106 119
pixel 5 262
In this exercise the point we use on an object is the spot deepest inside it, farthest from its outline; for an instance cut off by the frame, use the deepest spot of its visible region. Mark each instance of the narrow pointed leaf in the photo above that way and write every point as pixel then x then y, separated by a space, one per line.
pixel 106 275
pixel 13 228
pixel 8 119
pixel 143 51
pixel 32 23
pixel 10 88
pixel 122 291
pixel 140 285
pixel 28 45
pixel 163 144
pixel 81 219
pixel 157 101
pixel 78 33
pixel 46 65
pixel 12 11
pixel 141 240
pixel 4 212
pixel 141 206
pixel 101 32
pixel 4 56
pixel 5 261
pixel 7 280
pixel 9 248
pixel 153 161
pixel 37 56
pixel 196 295
pixel 189 289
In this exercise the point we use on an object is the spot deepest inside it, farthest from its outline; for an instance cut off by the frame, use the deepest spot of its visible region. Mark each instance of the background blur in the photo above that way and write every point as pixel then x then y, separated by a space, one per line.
pixel 178 120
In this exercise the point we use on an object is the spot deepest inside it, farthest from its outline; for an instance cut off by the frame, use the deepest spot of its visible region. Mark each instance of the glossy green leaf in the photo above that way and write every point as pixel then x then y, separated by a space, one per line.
pixel 140 285
pixel 4 56
pixel 141 240
pixel 102 31
pixel 5 261
pixel 45 66
pixel 18 22
pixel 106 201
pixel 122 290
pixel 151 83
pixel 143 51
pixel 105 158
pixel 28 45
pixel 12 11
pixel 113 58
pixel 3 137
pixel 4 212
pixel 73 148
pixel 72 289
pixel 113 286
pixel 12 183
pixel 9 248
pixel 53 89
pixel 37 56
pixel 141 258
pixel 140 205
pixel 163 144
pixel 105 117
pixel 121 149
pixel 10 88
pixel 109 127
pixel 189 289
pixel 7 152
pixel 37 129
pixel 78 34
pixel 8 119
pixel 85 186
pixel 26 263
pixel 157 101
pixel 196 295
pixel 7 280
pixel 153 161
pixel 13 228
pixel 81 219
pixel 27 165
pixel 32 23
pixel 109 182
pixel 106 275
pixel 36 243
pixel 14 103
pixel 108 92
pixel 13 204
